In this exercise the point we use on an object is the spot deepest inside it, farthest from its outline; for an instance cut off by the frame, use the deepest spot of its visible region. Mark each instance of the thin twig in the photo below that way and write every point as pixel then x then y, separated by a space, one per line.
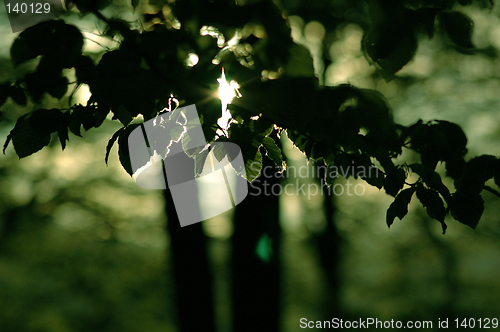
pixel 491 190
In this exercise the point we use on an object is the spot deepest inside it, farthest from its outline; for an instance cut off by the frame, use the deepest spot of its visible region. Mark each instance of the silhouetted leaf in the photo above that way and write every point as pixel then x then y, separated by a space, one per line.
pixel 63 136
pixel 26 140
pixel 431 179
pixel 390 46
pixel 17 94
pixel 399 208
pixel 85 69
pixel 53 37
pixel 123 149
pixel 476 172
pixel 45 122
pixel 111 142
pixel 34 41
pixel 4 92
pixel 458 27
pixel 433 204
pixel 467 208
pixel 394 181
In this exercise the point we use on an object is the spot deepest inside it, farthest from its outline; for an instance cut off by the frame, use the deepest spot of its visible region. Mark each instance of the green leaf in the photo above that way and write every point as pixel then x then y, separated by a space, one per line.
pixel 399 208
pixel 176 132
pixel 433 204
pixel 111 142
pixel 199 161
pixel 300 62
pixel 273 151
pixel 253 167
pixel 190 148
pixel 458 27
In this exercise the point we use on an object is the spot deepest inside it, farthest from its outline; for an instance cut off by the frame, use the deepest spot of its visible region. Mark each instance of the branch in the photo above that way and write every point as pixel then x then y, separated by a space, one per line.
pixel 491 190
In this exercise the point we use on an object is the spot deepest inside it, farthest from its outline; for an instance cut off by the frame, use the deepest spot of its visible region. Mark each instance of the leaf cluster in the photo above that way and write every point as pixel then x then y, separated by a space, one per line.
pixel 350 129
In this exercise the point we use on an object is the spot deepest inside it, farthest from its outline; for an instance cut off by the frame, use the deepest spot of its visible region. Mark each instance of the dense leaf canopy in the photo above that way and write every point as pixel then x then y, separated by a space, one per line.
pixel 153 71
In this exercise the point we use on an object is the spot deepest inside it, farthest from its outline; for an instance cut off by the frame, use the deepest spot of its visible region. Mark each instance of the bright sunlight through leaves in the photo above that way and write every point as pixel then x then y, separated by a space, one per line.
pixel 227 91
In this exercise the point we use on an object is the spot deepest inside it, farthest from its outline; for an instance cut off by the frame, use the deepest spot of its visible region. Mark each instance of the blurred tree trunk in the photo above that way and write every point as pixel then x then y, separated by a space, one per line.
pixel 192 276
pixel 328 244
pixel 255 261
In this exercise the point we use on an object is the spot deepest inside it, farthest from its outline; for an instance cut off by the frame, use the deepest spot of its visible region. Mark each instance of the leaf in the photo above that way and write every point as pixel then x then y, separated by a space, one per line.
pixel 433 204
pixel 399 208
pixel 123 115
pixel 253 167
pixel 467 208
pixel 476 172
pixel 88 116
pixel 426 19
pixel 17 94
pixel 135 3
pixel 431 178
pixel 375 177
pixel 85 69
pixel 394 181
pixel 63 136
pixel 123 149
pixel 57 86
pixel 52 37
pixel 176 132
pixel 4 92
pixel 9 137
pixel 458 27
pixel 45 122
pixel 111 142
pixel 199 161
pixel 219 150
pixel 273 151
pixel 300 62
pixel 190 148
pixel 33 41
pixel 390 46
pixel 26 141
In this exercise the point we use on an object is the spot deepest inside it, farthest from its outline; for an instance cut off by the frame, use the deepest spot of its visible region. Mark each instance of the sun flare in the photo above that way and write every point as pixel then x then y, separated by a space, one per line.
pixel 227 91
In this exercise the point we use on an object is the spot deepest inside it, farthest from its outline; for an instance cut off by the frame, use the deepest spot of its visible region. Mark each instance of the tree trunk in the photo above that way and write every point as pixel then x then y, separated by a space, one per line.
pixel 192 276
pixel 256 258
